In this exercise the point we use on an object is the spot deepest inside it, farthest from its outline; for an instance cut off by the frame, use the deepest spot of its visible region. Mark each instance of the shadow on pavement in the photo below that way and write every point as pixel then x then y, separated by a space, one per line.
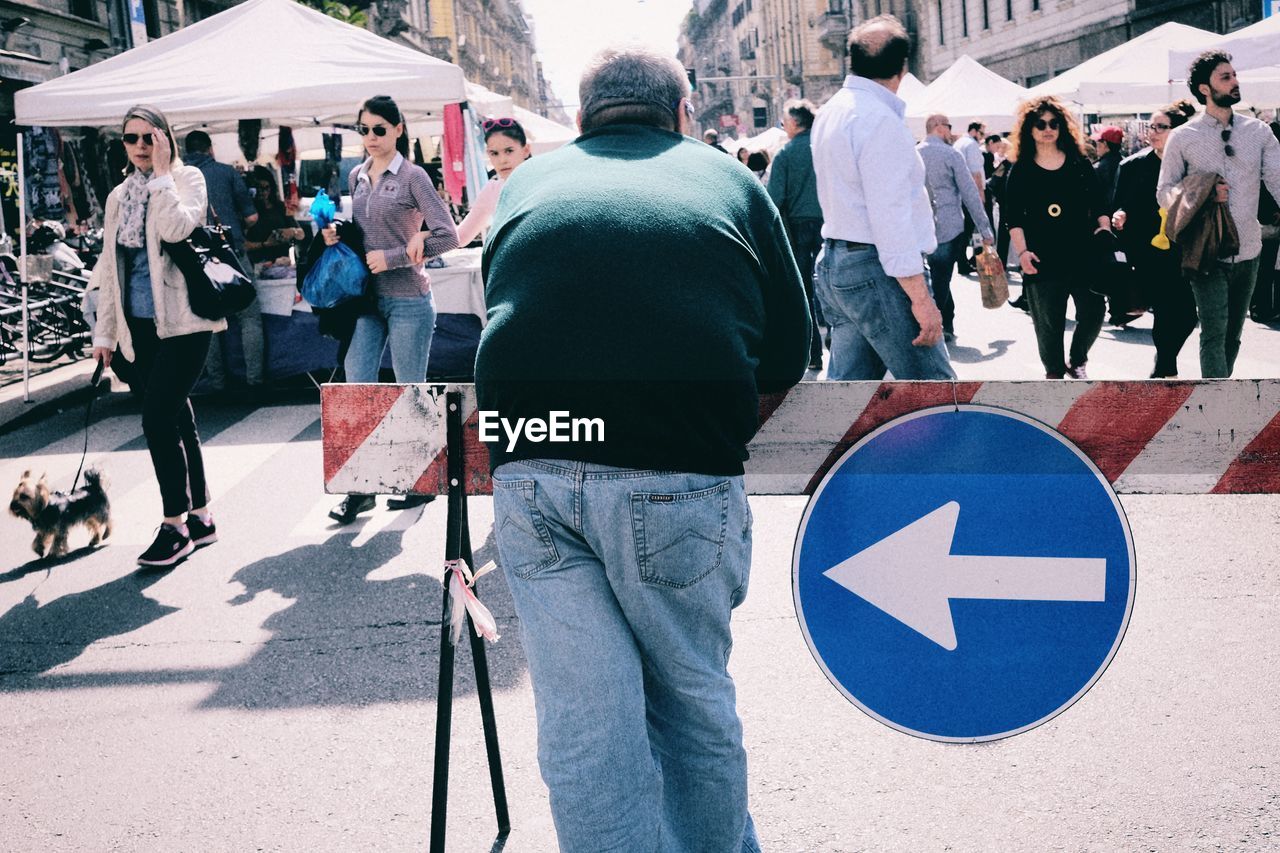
pixel 973 355
pixel 36 639
pixel 349 640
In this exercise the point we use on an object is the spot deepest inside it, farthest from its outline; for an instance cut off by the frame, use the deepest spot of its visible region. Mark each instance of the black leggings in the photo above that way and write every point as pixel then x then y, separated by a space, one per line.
pixel 162 374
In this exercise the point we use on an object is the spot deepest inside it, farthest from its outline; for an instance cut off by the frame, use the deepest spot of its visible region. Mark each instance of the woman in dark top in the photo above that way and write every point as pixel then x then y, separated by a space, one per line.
pixel 1160 284
pixel 1055 204
pixel 271 236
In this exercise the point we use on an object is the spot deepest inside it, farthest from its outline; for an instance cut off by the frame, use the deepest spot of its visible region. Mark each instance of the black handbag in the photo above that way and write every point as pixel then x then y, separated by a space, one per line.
pixel 217 285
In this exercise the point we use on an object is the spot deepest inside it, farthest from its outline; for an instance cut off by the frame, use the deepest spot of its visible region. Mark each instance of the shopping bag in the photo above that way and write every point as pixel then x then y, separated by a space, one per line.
pixel 338 276
pixel 991 279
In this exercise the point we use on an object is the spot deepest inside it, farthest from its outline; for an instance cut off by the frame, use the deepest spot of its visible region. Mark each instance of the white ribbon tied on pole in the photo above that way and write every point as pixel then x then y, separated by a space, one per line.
pixel 463 601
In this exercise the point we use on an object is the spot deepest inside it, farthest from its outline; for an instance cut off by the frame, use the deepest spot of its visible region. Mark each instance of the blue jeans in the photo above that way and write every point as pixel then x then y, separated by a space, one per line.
pixel 408 323
pixel 872 326
pixel 626 628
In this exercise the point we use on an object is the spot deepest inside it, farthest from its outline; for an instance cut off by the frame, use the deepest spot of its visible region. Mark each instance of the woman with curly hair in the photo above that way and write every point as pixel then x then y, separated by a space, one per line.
pixel 1156 268
pixel 1055 205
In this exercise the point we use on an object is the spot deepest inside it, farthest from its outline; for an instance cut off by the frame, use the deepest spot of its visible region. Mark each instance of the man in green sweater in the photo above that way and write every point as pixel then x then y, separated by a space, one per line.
pixel 794 189
pixel 639 285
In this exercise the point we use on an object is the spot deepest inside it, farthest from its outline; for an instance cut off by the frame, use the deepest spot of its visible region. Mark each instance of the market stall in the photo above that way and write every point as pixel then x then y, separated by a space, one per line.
pixel 1129 78
pixel 310 80
pixel 967 92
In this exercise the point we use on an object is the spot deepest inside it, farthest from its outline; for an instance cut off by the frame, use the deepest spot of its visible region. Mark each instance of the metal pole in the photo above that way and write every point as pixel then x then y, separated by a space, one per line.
pixel 458 546
pixel 22 271
pixel 444 693
pixel 484 693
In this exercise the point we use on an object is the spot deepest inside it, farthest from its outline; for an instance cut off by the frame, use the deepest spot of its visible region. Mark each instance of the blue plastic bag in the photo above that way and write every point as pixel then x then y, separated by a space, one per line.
pixel 322 210
pixel 337 277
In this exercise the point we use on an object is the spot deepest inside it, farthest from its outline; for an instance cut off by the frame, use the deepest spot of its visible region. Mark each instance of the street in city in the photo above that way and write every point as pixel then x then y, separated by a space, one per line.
pixel 277 690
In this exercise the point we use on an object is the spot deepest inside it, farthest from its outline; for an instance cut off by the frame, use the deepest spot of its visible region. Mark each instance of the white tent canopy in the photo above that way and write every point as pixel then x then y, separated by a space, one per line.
pixel 1130 77
pixel 967 92
pixel 1255 55
pixel 910 87
pixel 769 141
pixel 1254 47
pixel 263 59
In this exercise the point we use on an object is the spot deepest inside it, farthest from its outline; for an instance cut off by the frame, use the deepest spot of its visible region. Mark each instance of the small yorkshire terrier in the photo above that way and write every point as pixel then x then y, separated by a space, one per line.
pixel 52 514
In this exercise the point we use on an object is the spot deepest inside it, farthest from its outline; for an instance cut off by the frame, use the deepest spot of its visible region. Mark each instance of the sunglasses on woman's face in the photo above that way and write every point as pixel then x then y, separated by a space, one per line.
pixel 1160 128
pixel 132 138
pixel 377 129
pixel 1051 124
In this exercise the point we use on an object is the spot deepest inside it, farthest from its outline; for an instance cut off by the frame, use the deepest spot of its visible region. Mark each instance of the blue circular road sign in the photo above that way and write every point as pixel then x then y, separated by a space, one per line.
pixel 963 573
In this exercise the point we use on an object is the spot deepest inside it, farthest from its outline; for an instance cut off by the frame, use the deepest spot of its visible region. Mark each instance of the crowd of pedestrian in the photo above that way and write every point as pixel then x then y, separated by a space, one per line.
pixel 882 226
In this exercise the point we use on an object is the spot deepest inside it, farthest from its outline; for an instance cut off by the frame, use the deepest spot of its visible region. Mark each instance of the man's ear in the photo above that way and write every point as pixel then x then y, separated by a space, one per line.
pixel 578 119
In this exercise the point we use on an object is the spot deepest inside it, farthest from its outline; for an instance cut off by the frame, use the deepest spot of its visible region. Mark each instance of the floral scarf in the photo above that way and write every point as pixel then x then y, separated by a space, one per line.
pixel 133 210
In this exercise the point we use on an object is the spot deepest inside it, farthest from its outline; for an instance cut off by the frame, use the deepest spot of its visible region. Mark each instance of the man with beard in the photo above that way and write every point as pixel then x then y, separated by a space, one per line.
pixel 1243 152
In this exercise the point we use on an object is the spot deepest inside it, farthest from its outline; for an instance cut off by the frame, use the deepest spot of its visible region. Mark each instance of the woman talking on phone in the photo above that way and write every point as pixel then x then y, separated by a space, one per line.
pixel 392 200
pixel 145 318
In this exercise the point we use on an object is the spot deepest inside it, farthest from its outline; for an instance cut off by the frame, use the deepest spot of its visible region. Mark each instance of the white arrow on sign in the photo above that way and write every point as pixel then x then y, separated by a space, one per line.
pixel 912 576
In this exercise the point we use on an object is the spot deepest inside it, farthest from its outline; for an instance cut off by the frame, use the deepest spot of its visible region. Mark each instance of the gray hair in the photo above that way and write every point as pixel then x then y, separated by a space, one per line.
pixel 632 84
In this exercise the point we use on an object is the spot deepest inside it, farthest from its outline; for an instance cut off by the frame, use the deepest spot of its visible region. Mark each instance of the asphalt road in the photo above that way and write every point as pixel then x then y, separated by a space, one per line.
pixel 276 691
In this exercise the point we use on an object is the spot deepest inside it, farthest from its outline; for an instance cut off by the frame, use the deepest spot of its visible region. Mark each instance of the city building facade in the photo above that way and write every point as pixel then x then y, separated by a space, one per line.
pixel 1030 41
pixel 491 40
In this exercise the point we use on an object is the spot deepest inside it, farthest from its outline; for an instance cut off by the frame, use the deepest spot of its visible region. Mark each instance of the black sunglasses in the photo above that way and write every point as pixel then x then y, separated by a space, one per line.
pixel 132 138
pixel 1226 141
pixel 377 129
pixel 1160 127
pixel 1051 124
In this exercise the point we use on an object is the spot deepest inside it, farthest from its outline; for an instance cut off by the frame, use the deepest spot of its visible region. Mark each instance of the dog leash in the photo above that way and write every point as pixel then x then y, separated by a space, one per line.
pixel 88 414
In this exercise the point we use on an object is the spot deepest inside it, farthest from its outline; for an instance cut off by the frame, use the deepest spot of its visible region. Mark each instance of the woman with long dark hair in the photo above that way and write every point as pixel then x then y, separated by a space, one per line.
pixel 145 320
pixel 507 146
pixel 392 200
pixel 1160 283
pixel 1055 204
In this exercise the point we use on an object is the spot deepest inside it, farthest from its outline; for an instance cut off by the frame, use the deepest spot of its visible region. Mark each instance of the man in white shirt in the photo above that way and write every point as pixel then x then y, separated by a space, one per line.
pixel 877 222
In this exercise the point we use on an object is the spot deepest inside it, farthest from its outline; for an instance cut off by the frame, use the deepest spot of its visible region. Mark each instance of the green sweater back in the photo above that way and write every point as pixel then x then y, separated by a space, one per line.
pixel 644 279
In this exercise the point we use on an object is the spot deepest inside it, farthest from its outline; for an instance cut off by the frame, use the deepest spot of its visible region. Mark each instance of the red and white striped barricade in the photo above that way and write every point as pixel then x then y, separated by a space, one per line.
pixel 1216 436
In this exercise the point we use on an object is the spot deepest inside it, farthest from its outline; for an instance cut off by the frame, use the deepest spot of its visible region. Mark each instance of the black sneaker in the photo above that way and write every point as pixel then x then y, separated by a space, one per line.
pixel 171 546
pixel 202 533
pixel 410 501
pixel 351 506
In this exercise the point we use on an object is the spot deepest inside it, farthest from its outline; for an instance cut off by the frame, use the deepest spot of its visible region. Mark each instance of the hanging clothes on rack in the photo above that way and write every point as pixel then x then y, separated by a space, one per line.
pixel 42 148
pixel 287 160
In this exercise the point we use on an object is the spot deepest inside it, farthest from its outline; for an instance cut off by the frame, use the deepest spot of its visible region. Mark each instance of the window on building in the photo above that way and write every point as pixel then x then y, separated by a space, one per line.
pixel 151 9
pixel 118 26
pixel 1035 5
pixel 761 116
pixel 1008 10
pixel 964 18
pixel 986 14
pixel 942 32
pixel 85 9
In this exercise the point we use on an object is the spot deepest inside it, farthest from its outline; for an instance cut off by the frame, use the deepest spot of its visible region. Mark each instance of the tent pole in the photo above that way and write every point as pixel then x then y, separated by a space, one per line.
pixel 22 271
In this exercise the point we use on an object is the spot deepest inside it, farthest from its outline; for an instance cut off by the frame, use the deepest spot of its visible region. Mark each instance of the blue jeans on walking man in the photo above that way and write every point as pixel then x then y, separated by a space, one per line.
pixel 869 313
pixel 624 581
